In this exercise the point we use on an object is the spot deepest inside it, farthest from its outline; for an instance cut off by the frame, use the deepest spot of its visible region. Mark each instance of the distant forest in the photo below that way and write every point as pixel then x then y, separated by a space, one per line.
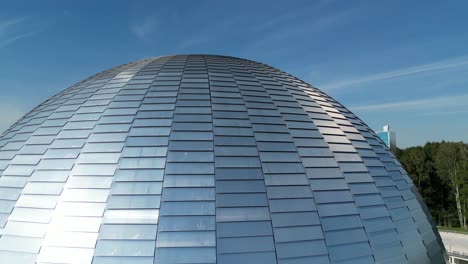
pixel 440 171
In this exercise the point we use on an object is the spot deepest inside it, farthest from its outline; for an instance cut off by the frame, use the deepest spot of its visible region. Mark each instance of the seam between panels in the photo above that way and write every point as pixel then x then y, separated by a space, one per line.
pixel 416 194
pixel 70 171
pixel 145 63
pixel 186 67
pixel 227 63
pixel 285 122
pixel 74 91
pixel 371 147
pixel 126 137
pixel 67 90
pixel 277 118
pixel 167 151
pixel 400 192
pixel 214 158
pixel 43 113
pixel 302 163
pixel 37 109
pixel 275 102
pixel 328 147
pixel 361 161
pixel 384 168
pixel 45 104
pixel 113 179
pixel 333 152
pixel 364 128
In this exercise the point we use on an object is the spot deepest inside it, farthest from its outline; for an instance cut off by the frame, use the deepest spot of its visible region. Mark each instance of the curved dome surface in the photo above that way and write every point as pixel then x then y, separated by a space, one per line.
pixel 204 159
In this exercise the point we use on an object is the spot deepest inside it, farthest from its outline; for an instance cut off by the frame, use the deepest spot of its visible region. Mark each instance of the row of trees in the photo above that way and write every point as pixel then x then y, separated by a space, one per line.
pixel 440 171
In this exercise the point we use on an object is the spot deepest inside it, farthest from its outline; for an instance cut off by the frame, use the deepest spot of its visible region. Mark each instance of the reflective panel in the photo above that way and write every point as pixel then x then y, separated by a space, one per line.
pixel 129 232
pixel 204 159
pixel 131 216
pixel 124 248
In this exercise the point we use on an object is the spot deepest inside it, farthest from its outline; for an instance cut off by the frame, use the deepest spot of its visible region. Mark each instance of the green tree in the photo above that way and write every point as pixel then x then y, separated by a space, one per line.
pixel 464 191
pixel 451 163
pixel 418 165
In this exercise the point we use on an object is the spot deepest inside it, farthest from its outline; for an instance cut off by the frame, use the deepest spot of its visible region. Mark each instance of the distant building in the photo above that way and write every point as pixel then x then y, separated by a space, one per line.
pixel 389 137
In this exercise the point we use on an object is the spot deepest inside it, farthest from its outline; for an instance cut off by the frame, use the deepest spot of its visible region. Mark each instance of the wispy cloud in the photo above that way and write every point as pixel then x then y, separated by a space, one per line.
pixel 327 22
pixel 296 16
pixel 454 112
pixel 13 29
pixel 7 24
pixel 427 103
pixel 7 41
pixel 430 67
pixel 142 29
pixel 319 23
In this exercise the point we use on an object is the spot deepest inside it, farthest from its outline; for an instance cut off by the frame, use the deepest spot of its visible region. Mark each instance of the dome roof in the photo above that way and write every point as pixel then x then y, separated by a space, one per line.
pixel 204 159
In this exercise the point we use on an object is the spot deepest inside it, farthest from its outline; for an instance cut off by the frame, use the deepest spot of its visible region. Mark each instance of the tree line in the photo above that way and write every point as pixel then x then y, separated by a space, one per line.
pixel 440 172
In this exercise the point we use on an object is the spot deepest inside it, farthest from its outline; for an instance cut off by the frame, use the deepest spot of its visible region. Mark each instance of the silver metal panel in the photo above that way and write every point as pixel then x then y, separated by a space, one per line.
pixel 204 159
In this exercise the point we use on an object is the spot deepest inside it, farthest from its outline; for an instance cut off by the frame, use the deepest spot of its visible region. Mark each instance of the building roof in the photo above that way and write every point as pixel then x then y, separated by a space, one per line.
pixel 204 159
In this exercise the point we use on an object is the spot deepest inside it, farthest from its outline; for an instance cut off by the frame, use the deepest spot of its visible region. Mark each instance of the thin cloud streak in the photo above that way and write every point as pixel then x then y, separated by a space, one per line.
pixel 8 41
pixel 319 24
pixel 296 16
pixel 428 103
pixel 430 67
pixel 8 24
pixel 455 112
pixel 10 31
pixel 144 28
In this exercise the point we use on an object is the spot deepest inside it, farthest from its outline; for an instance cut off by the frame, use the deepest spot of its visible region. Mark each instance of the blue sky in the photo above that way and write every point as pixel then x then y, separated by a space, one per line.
pixel 403 63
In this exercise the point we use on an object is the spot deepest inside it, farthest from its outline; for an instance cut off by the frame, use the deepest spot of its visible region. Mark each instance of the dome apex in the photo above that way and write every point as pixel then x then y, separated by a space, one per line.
pixel 204 159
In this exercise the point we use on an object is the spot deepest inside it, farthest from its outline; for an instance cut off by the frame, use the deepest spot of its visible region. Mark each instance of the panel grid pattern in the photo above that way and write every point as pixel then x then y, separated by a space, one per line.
pixel 204 159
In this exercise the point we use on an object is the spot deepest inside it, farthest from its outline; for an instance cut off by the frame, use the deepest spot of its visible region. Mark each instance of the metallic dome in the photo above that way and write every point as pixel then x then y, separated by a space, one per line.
pixel 204 159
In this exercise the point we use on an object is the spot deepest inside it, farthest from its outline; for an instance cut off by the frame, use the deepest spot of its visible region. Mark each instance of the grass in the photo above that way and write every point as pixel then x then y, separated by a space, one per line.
pixel 453 229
